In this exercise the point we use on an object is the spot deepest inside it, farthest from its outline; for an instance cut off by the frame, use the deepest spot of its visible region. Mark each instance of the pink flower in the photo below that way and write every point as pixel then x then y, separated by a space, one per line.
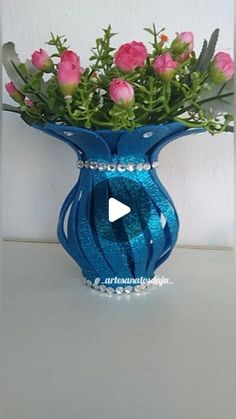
pixel 70 57
pixel 187 38
pixel 68 76
pixel 11 88
pixel 73 58
pixel 29 102
pixel 130 56
pixel 221 68
pixel 182 45
pixel 14 93
pixel 42 61
pixel 121 92
pixel 164 66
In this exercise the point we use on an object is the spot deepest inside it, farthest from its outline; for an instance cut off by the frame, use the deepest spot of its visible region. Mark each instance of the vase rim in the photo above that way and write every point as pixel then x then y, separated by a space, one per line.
pixel 112 131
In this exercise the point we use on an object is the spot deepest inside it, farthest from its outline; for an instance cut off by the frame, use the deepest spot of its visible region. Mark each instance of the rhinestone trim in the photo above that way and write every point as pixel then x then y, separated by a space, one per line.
pixel 127 289
pixel 120 167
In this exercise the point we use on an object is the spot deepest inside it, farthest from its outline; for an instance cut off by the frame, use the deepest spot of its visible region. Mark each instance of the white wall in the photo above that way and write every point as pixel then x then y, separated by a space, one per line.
pixel 39 171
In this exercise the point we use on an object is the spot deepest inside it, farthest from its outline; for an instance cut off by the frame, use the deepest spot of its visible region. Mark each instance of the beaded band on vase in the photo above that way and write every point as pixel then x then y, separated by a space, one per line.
pixel 125 289
pixel 121 167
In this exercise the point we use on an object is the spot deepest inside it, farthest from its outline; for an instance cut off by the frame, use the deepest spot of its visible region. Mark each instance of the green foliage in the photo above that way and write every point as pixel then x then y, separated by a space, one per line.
pixel 59 42
pixel 190 97
pixel 207 53
pixel 9 108
pixel 10 56
pixel 102 52
pixel 156 44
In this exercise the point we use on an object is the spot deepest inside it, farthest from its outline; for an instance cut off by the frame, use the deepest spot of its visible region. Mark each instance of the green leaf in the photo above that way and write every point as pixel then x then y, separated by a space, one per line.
pixel 22 77
pixel 46 85
pixel 149 31
pixel 52 102
pixel 28 86
pixel 35 83
pixel 29 120
pixel 30 67
pixel 201 57
pixel 10 108
pixel 209 52
pixel 23 69
pixel 220 103
pixel 38 75
pixel 10 56
pixel 229 128
pixel 213 41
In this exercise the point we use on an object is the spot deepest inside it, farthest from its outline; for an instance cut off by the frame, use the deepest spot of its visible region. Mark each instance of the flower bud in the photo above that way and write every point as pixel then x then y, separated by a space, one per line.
pixel 183 41
pixel 165 67
pixel 130 56
pixel 121 92
pixel 70 57
pixel 14 93
pixel 221 68
pixel 68 76
pixel 73 58
pixel 29 102
pixel 187 38
pixel 42 61
pixel 164 38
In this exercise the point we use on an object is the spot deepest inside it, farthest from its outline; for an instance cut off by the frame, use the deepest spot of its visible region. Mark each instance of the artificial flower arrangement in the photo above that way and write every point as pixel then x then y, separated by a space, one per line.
pixel 126 88
pixel 117 114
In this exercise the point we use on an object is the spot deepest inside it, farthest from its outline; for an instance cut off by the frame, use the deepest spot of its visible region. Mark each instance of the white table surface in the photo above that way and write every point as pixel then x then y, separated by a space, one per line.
pixel 71 352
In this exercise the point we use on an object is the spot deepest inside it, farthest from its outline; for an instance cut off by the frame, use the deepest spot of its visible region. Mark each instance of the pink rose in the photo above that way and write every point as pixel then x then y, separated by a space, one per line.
pixel 11 88
pixel 121 92
pixel 14 93
pixel 71 57
pixel 164 66
pixel 184 40
pixel 130 56
pixel 187 38
pixel 42 61
pixel 68 76
pixel 221 68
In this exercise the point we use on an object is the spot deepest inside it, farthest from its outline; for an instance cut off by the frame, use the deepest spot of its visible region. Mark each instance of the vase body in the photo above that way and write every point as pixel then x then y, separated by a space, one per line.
pixel 121 255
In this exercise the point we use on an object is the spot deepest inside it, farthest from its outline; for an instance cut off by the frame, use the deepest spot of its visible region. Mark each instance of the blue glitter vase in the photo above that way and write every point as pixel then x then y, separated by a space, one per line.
pixel 119 256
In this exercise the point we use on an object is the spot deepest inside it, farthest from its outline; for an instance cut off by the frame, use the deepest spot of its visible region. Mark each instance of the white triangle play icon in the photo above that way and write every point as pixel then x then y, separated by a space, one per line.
pixel 117 210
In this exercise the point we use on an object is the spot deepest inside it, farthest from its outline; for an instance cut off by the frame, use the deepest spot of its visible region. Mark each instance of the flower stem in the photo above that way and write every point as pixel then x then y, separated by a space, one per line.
pixel 188 123
pixel 100 123
pixel 68 107
pixel 181 111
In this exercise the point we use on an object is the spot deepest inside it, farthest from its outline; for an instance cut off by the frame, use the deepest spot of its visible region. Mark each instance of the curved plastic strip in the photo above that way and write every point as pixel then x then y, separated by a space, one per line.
pixel 81 221
pixel 103 228
pixel 131 223
pixel 60 226
pixel 138 142
pixel 90 142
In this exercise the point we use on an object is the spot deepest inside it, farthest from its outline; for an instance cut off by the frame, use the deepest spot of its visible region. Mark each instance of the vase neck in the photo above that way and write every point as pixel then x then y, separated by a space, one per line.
pixel 143 143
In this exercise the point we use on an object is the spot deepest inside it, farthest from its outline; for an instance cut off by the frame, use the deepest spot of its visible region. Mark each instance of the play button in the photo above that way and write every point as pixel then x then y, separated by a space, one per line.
pixel 121 209
pixel 117 210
